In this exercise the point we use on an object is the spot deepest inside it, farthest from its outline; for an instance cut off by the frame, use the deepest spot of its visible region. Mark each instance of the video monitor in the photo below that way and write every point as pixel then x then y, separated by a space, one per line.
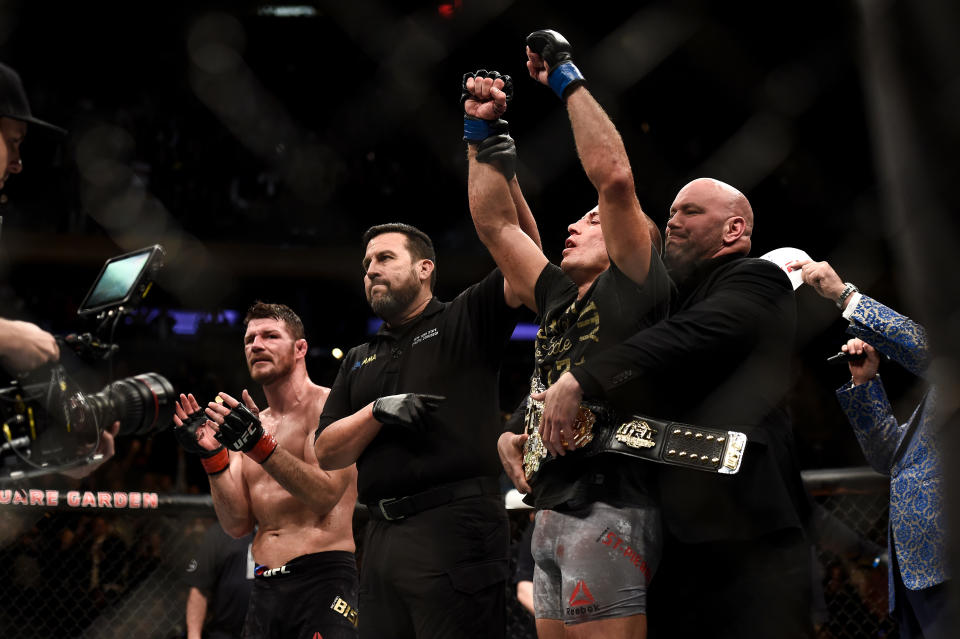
pixel 123 281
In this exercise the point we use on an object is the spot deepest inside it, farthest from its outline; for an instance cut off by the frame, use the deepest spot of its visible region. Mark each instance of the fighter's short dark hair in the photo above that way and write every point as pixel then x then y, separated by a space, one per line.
pixel 282 312
pixel 418 243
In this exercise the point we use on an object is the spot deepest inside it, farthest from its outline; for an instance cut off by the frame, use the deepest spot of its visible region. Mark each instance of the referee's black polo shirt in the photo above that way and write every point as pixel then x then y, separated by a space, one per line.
pixel 451 349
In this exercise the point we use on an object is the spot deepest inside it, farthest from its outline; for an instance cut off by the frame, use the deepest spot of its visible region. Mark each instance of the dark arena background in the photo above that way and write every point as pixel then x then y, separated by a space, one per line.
pixel 255 142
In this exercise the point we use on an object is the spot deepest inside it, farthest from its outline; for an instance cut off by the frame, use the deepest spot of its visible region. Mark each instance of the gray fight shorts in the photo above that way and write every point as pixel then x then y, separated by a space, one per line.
pixel 595 563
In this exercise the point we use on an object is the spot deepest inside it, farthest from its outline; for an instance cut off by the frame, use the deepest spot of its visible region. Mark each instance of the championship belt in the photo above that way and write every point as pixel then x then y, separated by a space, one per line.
pixel 598 429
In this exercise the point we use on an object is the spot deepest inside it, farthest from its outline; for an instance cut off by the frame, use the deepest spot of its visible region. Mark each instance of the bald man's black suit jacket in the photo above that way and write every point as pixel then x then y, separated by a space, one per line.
pixel 722 358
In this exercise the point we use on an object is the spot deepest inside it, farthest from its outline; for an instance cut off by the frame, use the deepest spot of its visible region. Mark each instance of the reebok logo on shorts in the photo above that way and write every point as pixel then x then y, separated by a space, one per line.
pixel 581 601
pixel 581 595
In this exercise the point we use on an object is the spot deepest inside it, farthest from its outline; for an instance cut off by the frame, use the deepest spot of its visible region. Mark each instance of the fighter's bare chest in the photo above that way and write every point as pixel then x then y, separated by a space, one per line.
pixel 291 436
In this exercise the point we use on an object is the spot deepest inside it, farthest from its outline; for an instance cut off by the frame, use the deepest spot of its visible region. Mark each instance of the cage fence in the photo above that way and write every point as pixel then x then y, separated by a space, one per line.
pixel 77 565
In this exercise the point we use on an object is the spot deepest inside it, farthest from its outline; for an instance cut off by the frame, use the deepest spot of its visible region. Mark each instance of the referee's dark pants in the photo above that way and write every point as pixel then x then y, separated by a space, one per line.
pixel 440 573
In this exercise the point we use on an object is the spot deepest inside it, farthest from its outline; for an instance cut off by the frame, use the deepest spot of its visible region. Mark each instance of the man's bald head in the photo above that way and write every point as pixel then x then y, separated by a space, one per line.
pixel 708 218
pixel 736 202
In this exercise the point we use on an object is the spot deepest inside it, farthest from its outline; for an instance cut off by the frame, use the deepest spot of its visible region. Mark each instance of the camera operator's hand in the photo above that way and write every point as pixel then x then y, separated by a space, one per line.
pixel 196 435
pixel 106 448
pixel 238 427
pixel 24 346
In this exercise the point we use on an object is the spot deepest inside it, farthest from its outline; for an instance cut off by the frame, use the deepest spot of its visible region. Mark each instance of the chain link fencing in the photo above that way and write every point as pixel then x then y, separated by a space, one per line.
pixel 849 526
pixel 109 564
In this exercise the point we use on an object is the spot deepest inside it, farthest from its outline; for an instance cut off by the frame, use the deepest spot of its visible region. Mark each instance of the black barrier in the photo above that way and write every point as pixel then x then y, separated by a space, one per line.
pixel 86 500
pixel 108 563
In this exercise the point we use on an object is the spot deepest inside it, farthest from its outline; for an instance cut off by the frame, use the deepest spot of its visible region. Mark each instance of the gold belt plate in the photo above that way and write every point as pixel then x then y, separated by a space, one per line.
pixel 534 451
pixel 637 434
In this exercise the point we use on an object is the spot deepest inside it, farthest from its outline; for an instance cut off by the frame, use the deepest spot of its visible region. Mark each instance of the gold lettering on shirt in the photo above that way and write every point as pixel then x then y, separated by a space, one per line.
pixel 559 367
pixel 589 315
pixel 558 336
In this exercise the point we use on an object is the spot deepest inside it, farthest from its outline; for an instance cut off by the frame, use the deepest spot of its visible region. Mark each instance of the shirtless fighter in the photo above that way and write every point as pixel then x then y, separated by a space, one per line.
pixel 264 475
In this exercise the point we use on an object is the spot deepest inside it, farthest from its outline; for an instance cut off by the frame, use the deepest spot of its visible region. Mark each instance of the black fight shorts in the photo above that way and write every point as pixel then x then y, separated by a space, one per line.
pixel 311 594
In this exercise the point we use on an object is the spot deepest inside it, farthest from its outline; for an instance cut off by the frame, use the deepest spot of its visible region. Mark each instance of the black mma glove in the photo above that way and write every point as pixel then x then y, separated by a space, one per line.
pixel 483 73
pixel 558 54
pixel 477 129
pixel 242 431
pixel 500 151
pixel 407 409
pixel 214 461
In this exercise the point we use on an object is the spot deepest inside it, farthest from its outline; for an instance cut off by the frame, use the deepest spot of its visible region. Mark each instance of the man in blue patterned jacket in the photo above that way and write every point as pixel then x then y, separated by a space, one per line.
pixel 906 452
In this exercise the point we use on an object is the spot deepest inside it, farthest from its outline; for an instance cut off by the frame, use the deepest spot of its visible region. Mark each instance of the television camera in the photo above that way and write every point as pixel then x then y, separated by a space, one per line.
pixel 49 423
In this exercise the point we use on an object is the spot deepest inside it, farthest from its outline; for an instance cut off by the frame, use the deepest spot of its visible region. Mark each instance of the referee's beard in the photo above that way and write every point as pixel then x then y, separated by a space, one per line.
pixel 392 303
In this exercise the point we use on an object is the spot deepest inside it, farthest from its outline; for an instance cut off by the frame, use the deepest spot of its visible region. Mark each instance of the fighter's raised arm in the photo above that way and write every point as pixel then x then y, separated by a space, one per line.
pixel 501 152
pixel 500 214
pixel 627 231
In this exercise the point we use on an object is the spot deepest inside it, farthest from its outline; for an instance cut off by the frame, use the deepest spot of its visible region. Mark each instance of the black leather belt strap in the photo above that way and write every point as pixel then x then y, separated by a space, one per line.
pixel 394 508
pixel 698 447
pixel 598 429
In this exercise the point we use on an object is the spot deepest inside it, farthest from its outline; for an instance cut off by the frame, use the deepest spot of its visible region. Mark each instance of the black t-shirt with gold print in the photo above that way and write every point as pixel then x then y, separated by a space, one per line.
pixel 614 308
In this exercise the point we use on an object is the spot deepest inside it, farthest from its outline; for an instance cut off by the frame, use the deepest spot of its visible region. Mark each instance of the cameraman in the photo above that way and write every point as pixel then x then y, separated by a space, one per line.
pixel 25 346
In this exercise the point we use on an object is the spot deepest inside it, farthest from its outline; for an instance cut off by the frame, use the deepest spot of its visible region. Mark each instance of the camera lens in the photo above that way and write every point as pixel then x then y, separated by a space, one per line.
pixel 142 403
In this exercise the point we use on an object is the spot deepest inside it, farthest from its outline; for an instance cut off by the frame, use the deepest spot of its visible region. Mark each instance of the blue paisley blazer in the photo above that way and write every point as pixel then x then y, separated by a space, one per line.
pixel 917 521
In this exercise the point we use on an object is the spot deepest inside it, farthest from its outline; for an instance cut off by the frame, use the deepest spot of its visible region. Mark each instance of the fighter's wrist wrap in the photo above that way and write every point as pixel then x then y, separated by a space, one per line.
pixel 565 77
pixel 214 461
pixel 242 431
pixel 263 448
pixel 217 462
pixel 476 130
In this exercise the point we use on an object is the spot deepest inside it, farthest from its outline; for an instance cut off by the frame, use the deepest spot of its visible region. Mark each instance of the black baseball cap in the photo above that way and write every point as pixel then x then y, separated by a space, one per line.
pixel 13 100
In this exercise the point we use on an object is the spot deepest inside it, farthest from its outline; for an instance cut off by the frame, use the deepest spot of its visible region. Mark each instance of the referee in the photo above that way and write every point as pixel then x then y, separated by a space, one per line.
pixel 417 408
